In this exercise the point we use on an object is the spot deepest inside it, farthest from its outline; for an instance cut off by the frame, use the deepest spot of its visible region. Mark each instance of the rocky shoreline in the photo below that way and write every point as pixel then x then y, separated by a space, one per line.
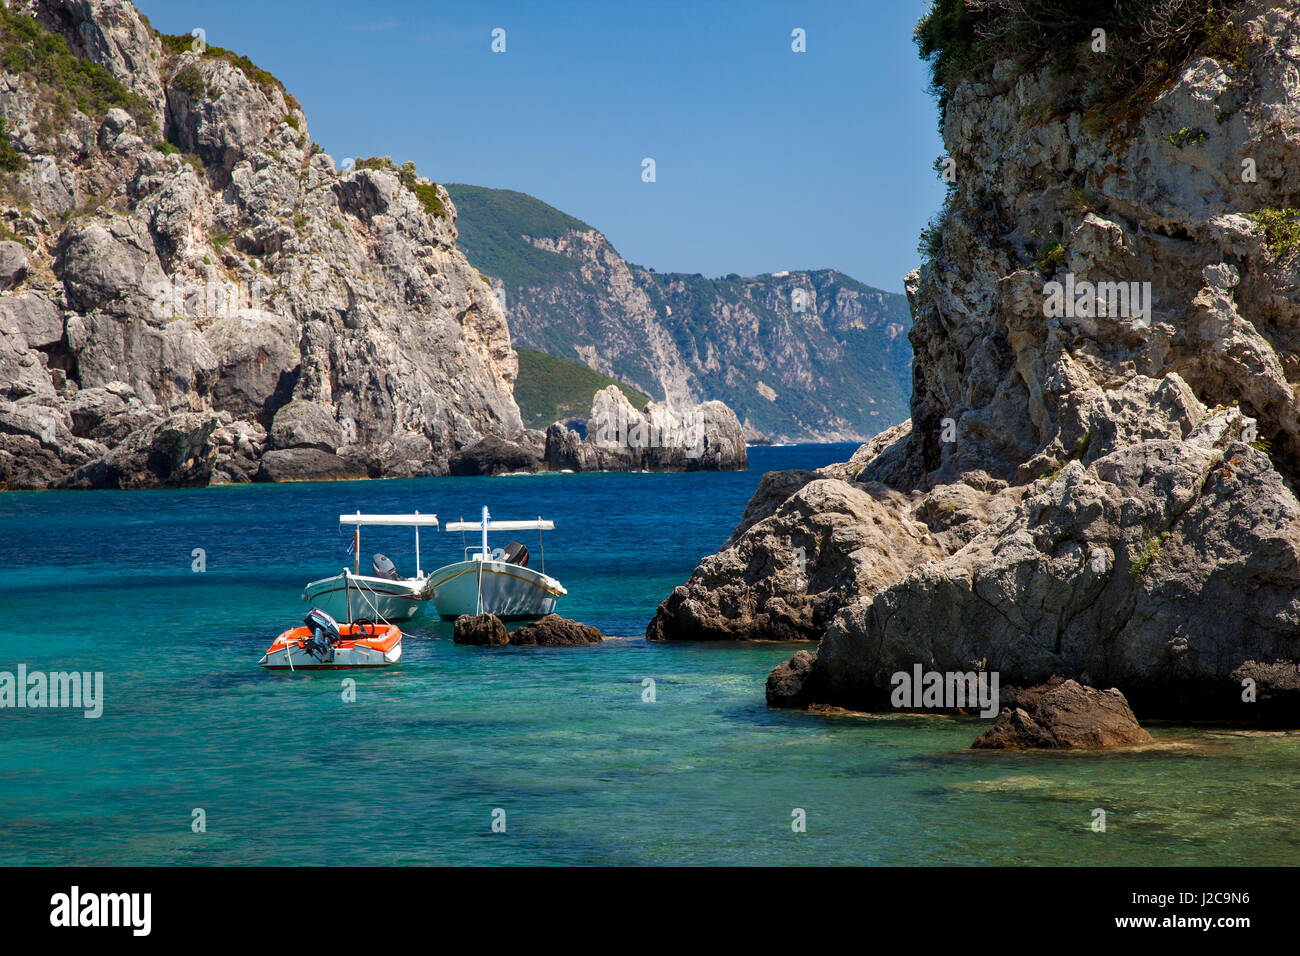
pixel 1103 494
pixel 192 293
pixel 706 437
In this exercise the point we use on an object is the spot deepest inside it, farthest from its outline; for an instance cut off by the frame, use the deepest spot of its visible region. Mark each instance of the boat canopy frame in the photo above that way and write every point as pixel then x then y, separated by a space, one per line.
pixel 486 524
pixel 415 520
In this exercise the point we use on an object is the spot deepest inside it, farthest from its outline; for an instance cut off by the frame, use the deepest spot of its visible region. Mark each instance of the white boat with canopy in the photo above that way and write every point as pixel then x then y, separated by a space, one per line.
pixel 383 595
pixel 495 580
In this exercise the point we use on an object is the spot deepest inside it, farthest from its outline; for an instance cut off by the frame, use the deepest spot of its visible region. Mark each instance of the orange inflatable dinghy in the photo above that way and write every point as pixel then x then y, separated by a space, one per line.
pixel 324 645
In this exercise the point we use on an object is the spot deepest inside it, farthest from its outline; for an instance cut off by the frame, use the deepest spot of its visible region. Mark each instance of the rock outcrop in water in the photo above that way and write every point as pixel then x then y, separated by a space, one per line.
pixel 556 631
pixel 1102 491
pixel 480 630
pixel 1064 715
pixel 487 630
pixel 494 455
pixel 189 291
pixel 706 437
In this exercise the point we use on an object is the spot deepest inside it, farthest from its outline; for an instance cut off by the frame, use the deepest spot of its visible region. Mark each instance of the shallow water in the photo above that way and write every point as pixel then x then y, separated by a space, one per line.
pixel 560 739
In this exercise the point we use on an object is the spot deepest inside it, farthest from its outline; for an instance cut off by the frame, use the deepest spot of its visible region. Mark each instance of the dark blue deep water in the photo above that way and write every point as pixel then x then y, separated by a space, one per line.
pixel 287 772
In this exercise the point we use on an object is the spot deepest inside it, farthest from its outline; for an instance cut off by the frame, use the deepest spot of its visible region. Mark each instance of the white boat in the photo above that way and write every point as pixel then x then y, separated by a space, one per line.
pixel 495 581
pixel 382 595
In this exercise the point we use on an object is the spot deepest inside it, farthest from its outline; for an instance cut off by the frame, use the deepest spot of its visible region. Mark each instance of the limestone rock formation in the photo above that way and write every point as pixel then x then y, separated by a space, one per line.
pixel 482 630
pixel 706 437
pixel 1105 491
pixel 487 630
pixel 494 455
pixel 1064 715
pixel 178 245
pixel 556 631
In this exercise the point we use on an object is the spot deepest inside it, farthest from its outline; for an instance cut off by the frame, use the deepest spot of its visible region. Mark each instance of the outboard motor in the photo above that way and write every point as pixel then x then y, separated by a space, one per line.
pixel 515 553
pixel 383 567
pixel 324 635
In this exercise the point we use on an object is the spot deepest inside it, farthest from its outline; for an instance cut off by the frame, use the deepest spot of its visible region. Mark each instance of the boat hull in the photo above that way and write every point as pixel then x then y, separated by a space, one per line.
pixel 362 597
pixel 510 591
pixel 361 648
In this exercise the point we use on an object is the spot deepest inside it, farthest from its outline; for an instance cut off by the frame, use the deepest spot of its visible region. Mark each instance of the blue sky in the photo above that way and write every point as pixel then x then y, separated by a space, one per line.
pixel 765 159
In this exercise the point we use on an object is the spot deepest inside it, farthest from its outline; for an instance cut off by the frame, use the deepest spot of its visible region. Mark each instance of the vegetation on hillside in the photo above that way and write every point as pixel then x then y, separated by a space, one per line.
pixel 190 81
pixel 859 359
pixel 177 44
pixel 492 224
pixel 427 193
pixel 550 389
pixel 66 81
pixel 1145 40
pixel 11 161
pixel 1281 230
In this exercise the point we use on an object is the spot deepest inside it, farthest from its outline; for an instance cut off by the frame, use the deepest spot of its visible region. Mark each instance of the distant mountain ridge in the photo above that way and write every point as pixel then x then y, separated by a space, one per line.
pixel 799 355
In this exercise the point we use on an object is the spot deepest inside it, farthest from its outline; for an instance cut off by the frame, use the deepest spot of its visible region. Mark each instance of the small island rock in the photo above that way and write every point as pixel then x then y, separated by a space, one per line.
pixel 1064 715
pixel 482 630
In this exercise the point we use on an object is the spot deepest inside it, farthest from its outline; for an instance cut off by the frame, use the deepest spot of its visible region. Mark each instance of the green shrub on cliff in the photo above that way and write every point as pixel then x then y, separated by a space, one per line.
pixel 1150 551
pixel 66 82
pixel 1051 256
pixel 376 162
pixel 1144 39
pixel 11 161
pixel 427 193
pixel 931 241
pixel 1281 230
pixel 177 44
pixel 1187 136
pixel 189 81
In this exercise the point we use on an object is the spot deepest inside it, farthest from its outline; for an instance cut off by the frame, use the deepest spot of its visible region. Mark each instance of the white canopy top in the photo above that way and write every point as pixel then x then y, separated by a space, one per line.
pixel 537 525
pixel 406 521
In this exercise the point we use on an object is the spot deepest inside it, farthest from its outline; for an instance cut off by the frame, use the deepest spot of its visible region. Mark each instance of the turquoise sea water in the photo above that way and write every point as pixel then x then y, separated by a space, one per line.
pixel 560 739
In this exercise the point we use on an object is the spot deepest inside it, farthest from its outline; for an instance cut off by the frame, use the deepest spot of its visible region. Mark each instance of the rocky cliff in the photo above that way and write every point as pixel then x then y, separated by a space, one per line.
pixel 189 291
pixel 618 436
pixel 803 355
pixel 1097 480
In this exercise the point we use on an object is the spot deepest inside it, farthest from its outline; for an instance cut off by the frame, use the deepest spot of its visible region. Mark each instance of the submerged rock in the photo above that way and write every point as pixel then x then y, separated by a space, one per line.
pixel 482 630
pixel 1064 715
